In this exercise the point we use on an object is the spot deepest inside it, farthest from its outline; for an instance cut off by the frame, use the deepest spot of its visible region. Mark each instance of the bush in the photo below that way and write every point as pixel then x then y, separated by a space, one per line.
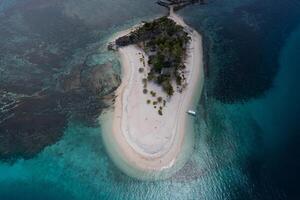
pixel 159 99
pixel 144 80
pixel 141 70
pixel 153 93
pixel 151 76
pixel 144 83
pixel 145 91
pixel 160 112
pixel 168 88
pixel 178 80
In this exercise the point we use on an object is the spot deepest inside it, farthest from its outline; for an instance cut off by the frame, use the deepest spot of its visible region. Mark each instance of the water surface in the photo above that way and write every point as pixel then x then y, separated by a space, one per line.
pixel 247 131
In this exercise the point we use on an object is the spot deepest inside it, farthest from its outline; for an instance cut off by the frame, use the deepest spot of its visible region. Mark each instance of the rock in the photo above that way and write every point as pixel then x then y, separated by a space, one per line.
pixel 124 41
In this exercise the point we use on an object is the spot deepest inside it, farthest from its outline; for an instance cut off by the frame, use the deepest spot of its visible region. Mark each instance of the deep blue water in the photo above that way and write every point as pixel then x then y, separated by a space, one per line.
pixel 247 144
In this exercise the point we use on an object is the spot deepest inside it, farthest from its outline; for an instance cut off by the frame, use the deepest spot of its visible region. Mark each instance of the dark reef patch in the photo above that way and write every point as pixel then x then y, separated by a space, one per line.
pixel 45 77
pixel 29 124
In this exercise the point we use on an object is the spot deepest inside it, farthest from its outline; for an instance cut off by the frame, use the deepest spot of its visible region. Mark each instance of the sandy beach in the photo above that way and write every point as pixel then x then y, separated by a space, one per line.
pixel 144 139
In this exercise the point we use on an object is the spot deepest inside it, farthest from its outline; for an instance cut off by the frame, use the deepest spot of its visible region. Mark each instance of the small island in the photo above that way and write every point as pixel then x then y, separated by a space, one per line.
pixel 148 131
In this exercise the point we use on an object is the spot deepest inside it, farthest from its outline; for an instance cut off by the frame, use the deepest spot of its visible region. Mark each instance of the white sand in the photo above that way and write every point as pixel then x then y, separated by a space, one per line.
pixel 145 139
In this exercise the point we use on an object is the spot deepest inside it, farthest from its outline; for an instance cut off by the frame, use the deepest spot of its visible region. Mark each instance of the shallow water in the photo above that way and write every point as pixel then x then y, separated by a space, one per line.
pixel 245 149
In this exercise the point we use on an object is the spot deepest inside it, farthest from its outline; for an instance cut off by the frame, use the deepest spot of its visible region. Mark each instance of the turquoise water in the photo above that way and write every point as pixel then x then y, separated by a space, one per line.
pixel 273 111
pixel 277 114
pixel 243 150
pixel 78 167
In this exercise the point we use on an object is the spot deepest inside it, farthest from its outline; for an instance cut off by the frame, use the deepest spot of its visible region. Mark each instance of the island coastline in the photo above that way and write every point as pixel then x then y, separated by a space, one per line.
pixel 130 157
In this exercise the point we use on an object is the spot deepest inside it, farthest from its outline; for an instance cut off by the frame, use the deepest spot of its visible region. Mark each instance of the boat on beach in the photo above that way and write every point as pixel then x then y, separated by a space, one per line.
pixel 191 112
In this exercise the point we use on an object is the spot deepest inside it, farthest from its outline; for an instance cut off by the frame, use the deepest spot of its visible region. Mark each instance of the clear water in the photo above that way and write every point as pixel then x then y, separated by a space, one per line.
pixel 242 150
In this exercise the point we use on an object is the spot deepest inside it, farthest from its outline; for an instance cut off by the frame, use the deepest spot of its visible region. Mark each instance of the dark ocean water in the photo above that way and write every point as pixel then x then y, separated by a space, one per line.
pixel 254 64
pixel 247 144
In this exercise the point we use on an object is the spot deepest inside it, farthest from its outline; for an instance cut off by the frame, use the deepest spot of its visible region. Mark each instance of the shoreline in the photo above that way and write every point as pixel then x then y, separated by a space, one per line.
pixel 150 158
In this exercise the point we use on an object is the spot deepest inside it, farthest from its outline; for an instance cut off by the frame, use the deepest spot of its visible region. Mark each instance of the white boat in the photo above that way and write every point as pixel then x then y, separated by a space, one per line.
pixel 191 112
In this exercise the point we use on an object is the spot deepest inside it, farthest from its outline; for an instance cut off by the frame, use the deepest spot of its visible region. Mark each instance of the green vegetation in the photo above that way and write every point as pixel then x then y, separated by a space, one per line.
pixel 159 99
pixel 144 81
pixel 153 93
pixel 160 112
pixel 141 70
pixel 167 52
pixel 165 43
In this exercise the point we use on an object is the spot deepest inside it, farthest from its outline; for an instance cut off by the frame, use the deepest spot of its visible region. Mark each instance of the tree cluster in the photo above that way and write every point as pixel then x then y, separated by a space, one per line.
pixel 165 43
